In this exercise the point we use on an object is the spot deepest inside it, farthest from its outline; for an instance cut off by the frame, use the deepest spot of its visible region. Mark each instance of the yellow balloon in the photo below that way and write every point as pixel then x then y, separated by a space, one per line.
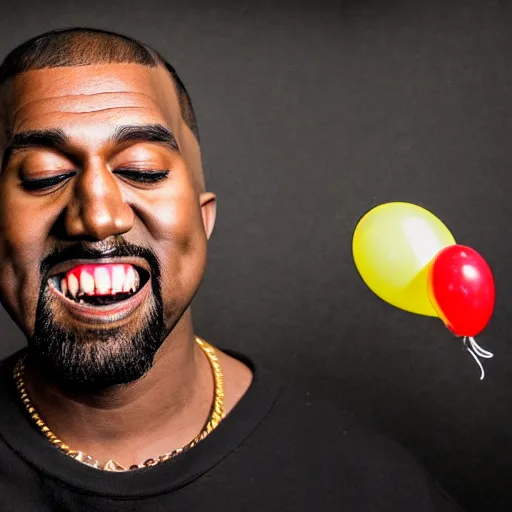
pixel 393 246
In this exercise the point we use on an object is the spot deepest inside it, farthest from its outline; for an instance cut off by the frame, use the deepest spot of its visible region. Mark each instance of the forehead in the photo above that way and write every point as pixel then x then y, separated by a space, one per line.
pixel 86 98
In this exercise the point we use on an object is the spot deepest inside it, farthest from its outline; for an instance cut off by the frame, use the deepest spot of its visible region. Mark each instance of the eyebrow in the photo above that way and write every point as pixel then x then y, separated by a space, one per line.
pixel 145 133
pixel 52 139
pixel 56 138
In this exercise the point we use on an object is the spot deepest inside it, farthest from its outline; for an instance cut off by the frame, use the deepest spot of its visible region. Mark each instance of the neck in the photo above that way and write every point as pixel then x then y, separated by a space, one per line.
pixel 133 422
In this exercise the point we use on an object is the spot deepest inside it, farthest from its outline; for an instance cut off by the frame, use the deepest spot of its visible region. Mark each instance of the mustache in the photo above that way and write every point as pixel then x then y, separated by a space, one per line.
pixel 116 248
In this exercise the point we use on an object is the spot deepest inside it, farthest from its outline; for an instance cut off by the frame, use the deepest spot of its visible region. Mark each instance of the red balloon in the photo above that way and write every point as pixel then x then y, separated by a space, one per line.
pixel 461 288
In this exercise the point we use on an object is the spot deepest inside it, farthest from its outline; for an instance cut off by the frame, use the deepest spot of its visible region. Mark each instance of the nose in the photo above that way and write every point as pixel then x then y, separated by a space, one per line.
pixel 97 209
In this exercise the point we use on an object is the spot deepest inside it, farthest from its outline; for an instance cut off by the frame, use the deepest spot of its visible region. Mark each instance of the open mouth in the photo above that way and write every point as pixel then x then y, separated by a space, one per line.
pixel 100 284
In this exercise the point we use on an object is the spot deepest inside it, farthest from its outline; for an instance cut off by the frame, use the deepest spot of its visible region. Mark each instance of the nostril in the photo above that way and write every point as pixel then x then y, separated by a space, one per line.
pixel 97 208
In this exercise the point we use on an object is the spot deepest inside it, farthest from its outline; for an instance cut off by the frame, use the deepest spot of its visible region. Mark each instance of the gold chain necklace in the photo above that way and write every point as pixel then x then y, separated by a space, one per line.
pixel 215 417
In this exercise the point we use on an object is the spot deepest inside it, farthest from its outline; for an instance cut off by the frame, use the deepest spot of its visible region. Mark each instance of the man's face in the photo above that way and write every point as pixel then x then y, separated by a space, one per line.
pixel 103 225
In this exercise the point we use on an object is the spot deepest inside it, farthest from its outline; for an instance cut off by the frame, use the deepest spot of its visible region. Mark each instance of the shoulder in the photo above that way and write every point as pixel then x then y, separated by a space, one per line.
pixel 318 446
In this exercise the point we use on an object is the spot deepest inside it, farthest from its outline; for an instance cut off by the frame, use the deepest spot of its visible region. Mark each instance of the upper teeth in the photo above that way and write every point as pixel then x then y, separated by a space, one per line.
pixel 98 280
pixel 101 280
pixel 72 284
pixel 129 280
pixel 87 282
pixel 117 278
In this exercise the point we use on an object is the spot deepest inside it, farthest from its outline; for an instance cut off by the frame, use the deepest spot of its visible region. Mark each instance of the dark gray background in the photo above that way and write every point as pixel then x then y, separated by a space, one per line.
pixel 311 114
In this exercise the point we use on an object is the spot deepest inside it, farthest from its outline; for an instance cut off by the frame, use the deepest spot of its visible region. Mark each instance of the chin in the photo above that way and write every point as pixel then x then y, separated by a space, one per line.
pixel 85 355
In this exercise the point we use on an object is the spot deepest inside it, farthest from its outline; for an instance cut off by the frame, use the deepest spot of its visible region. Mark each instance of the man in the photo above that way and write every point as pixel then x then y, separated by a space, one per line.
pixel 115 404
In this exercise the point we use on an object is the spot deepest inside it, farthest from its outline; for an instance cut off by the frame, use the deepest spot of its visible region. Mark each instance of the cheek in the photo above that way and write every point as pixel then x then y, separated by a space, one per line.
pixel 177 220
pixel 173 217
pixel 183 252
pixel 180 245
pixel 23 235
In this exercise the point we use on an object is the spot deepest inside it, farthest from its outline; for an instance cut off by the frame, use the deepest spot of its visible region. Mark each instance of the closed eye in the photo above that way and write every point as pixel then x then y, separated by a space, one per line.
pixel 46 183
pixel 131 174
pixel 142 176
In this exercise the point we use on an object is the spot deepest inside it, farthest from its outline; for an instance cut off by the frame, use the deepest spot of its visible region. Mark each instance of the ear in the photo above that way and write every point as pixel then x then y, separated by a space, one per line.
pixel 208 203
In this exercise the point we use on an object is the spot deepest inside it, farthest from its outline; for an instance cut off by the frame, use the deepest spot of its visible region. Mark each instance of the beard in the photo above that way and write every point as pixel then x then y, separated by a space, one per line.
pixel 89 359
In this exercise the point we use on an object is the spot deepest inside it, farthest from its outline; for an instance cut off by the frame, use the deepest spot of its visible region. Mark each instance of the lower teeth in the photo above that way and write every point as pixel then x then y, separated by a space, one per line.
pixel 101 300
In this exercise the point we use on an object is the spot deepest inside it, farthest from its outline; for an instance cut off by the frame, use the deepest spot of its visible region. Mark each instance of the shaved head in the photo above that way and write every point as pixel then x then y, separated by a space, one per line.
pixel 84 47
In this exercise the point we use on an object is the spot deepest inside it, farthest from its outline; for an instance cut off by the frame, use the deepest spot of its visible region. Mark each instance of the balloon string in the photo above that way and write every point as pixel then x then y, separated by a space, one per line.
pixel 479 350
pixel 475 350
pixel 475 357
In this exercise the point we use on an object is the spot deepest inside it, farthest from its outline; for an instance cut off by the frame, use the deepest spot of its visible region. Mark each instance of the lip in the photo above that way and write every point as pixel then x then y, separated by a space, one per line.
pixel 65 266
pixel 108 314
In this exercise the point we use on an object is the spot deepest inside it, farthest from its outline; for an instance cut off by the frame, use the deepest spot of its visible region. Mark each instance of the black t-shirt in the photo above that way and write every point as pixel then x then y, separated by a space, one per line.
pixel 277 450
